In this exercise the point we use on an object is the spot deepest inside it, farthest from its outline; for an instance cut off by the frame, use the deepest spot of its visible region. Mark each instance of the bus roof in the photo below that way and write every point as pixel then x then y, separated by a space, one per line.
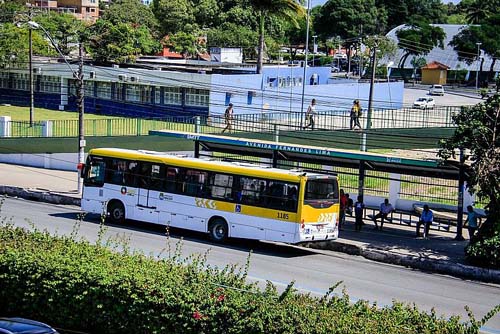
pixel 205 164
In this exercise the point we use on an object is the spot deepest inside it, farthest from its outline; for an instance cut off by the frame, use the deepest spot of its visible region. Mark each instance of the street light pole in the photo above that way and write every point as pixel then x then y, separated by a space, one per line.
pixel 78 76
pixel 81 129
pixel 478 63
pixel 32 88
pixel 305 63
pixel 314 48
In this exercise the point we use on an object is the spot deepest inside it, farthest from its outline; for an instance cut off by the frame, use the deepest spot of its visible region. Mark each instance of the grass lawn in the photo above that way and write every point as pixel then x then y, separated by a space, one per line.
pixel 41 114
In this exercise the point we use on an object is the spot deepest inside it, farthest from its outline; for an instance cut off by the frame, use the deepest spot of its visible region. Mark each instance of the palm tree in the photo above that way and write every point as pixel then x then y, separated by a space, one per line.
pixel 290 9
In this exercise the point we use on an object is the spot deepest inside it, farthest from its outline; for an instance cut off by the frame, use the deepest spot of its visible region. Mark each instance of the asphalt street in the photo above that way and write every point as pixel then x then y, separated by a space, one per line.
pixel 313 271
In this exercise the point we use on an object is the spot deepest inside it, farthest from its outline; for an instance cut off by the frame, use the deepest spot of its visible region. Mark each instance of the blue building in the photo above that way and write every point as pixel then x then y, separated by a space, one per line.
pixel 180 91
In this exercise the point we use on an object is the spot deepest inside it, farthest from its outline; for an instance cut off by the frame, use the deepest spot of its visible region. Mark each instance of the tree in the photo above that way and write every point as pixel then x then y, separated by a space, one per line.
pixel 476 11
pixel 488 34
pixel 289 9
pixel 120 42
pixel 346 18
pixel 231 35
pixel 402 11
pixel 65 30
pixel 132 12
pixel 183 43
pixel 478 132
pixel 174 16
pixel 418 38
pixel 14 45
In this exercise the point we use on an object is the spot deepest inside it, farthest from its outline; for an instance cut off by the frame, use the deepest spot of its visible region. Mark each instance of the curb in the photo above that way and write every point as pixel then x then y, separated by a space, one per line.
pixel 40 196
pixel 374 254
pixel 424 264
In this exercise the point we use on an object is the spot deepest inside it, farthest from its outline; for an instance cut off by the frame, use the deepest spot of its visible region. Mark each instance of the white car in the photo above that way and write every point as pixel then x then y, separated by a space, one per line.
pixel 424 103
pixel 436 90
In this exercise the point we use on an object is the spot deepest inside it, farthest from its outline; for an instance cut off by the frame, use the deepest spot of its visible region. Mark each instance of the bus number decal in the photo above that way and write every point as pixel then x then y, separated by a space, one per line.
pixel 282 215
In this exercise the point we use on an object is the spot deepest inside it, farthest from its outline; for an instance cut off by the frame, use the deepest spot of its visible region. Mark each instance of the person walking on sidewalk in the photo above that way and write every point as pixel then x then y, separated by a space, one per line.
pixel 471 222
pixel 385 209
pixel 228 118
pixel 358 212
pixel 356 112
pixel 311 111
pixel 426 218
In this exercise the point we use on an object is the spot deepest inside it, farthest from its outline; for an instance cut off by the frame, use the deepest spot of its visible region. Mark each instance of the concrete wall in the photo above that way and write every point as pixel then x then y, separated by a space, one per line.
pixel 236 89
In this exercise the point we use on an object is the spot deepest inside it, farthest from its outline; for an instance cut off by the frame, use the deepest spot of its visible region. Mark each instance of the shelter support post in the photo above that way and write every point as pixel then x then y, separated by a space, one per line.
pixel 461 189
pixel 196 148
pixel 275 159
pixel 361 179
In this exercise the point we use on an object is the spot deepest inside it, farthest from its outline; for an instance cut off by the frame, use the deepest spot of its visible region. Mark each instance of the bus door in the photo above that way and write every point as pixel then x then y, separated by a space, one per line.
pixel 146 178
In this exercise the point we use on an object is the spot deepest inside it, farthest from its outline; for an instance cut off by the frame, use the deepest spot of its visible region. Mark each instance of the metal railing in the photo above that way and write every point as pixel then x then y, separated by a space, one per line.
pixel 256 122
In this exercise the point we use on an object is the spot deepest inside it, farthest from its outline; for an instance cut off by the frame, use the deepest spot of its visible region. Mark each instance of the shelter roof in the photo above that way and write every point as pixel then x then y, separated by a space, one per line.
pixel 319 155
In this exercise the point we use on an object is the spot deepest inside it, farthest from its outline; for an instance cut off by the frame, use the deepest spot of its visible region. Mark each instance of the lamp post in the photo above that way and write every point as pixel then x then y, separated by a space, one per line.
pixel 305 63
pixel 314 48
pixel 478 63
pixel 78 76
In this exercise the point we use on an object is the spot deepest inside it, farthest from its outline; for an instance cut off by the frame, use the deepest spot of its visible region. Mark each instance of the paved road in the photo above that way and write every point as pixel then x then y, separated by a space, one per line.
pixel 450 98
pixel 313 271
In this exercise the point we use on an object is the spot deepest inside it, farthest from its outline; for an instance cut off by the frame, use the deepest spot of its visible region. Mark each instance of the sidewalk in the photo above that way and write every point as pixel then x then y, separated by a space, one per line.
pixel 396 244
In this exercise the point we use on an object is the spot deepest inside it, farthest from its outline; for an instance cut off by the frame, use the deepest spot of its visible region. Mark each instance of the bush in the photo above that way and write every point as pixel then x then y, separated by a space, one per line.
pixel 92 288
pixel 484 248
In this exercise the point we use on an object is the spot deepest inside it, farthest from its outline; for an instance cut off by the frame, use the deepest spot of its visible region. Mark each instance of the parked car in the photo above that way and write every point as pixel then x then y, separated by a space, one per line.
pixel 436 90
pixel 335 69
pixel 24 326
pixel 424 103
pixel 339 55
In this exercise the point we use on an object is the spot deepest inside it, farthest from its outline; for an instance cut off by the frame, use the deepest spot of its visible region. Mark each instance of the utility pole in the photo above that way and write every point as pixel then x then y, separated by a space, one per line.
pixel 372 83
pixel 32 88
pixel 305 63
pixel 478 63
pixel 81 129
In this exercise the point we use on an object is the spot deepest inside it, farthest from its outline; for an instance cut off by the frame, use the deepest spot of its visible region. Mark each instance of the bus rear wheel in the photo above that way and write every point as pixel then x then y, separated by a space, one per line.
pixel 116 212
pixel 218 230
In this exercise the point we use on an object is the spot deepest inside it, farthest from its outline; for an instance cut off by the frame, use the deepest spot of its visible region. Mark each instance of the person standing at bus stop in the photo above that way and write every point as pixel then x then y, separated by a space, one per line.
pixel 228 118
pixel 359 207
pixel 343 206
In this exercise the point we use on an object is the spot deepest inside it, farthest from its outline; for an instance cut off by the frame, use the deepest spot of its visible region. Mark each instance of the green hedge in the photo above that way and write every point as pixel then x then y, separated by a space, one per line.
pixel 107 289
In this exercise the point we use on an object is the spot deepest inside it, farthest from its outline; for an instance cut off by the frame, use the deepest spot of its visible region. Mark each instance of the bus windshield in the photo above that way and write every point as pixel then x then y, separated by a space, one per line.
pixel 321 190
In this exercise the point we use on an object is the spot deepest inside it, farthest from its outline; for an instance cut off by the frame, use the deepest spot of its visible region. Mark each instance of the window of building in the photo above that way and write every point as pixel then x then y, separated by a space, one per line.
pixel 4 79
pixel 104 90
pixel 133 93
pixel 20 81
pixel 50 84
pixel 197 97
pixel 172 95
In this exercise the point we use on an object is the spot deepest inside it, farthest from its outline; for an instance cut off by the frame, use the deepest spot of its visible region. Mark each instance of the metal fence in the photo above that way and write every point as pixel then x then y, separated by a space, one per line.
pixel 257 122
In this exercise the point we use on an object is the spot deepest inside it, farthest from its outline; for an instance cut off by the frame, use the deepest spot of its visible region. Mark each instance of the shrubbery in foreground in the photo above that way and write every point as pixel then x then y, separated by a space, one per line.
pixel 76 285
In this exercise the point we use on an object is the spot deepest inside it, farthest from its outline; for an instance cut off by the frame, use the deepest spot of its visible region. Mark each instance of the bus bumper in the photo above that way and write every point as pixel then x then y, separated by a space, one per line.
pixel 318 232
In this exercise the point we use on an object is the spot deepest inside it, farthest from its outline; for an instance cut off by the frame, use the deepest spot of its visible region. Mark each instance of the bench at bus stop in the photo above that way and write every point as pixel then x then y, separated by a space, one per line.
pixel 411 218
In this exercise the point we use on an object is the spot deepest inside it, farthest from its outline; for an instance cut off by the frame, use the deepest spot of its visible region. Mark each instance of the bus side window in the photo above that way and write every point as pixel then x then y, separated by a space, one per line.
pixel 171 179
pixel 157 177
pixel 95 173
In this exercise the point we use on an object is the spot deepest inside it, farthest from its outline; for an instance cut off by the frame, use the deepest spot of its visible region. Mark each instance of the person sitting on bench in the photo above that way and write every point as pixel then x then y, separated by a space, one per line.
pixel 385 209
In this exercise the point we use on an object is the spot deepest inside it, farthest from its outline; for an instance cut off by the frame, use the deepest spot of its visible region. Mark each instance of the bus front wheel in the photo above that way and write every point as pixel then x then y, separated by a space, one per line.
pixel 116 212
pixel 218 230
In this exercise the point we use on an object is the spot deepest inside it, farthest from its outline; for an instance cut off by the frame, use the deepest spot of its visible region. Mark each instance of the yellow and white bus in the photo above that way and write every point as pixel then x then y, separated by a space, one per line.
pixel 223 199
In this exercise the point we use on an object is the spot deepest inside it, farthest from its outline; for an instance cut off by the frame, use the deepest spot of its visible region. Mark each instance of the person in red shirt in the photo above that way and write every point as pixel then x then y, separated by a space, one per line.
pixel 343 206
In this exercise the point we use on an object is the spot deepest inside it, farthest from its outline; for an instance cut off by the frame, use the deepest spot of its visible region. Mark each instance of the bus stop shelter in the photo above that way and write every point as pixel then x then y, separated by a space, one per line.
pixel 278 152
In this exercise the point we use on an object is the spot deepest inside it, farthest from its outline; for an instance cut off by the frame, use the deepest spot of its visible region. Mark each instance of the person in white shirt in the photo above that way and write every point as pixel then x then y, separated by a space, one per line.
pixel 311 111
pixel 385 209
